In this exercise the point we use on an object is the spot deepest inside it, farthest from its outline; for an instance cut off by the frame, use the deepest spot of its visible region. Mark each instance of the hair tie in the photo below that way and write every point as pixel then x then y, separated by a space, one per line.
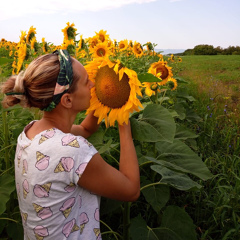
pixel 64 80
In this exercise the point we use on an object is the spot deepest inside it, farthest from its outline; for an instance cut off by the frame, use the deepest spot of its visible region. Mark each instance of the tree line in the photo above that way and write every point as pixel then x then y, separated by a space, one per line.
pixel 205 49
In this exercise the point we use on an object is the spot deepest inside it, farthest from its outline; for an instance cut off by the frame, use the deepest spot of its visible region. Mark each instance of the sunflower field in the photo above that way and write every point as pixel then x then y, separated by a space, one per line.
pixel 133 83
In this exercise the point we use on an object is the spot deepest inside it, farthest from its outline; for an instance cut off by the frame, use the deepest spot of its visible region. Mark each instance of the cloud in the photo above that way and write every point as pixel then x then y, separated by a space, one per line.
pixel 11 8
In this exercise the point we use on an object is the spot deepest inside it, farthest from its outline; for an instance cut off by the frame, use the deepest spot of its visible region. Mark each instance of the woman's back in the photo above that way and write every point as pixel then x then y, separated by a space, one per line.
pixel 47 170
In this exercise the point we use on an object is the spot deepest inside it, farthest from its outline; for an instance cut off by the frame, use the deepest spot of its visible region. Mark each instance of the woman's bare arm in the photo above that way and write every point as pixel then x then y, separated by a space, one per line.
pixel 87 127
pixel 103 179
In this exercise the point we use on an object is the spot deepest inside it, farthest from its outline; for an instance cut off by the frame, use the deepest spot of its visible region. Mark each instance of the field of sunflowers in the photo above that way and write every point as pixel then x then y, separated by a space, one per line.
pixel 132 83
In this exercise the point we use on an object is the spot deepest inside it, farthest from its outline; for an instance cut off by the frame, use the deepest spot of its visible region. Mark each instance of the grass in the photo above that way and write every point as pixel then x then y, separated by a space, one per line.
pixel 214 81
pixel 216 77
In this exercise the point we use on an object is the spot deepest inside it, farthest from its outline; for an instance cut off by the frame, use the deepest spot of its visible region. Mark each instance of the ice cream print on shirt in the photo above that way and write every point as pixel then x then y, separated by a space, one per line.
pixel 42 161
pixel 70 187
pixel 67 207
pixel 45 136
pixel 83 219
pixel 81 169
pixel 70 227
pixel 19 151
pixel 42 212
pixel 24 217
pixel 25 167
pixel 70 140
pixel 25 188
pixel 40 232
pixel 65 165
pixel 42 191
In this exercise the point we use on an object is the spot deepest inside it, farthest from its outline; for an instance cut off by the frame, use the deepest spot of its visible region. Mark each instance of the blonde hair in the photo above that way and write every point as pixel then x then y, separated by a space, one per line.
pixel 37 83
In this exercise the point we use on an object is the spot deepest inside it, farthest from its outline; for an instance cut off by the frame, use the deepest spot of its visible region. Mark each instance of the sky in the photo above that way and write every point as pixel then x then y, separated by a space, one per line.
pixel 171 24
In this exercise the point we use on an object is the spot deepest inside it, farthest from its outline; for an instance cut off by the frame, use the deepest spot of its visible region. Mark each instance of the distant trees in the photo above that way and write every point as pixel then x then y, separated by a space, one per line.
pixel 205 49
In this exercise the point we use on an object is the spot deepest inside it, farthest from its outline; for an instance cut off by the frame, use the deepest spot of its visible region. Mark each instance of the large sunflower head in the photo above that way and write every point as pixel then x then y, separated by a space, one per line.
pixel 114 95
pixel 102 36
pixel 162 70
pixel 101 50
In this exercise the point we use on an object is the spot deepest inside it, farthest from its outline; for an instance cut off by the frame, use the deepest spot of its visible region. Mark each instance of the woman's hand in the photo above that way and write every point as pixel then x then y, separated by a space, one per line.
pixel 88 126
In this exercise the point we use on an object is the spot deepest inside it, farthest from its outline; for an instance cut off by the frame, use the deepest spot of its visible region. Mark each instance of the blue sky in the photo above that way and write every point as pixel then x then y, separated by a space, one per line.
pixel 171 24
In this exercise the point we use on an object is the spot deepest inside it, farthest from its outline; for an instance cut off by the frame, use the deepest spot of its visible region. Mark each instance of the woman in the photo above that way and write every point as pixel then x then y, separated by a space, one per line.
pixel 60 176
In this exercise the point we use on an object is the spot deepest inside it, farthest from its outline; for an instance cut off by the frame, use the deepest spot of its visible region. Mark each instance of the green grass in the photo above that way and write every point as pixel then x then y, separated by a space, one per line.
pixel 214 81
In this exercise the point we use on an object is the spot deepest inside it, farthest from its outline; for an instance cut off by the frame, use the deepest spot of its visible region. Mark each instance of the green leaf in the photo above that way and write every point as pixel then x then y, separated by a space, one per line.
pixel 192 115
pixel 181 111
pixel 15 231
pixel 156 124
pixel 144 132
pixel 180 80
pixel 140 231
pixel 138 228
pixel 182 93
pixel 157 196
pixel 178 156
pixel 177 180
pixel 148 77
pixel 179 222
pixel 7 186
pixel 184 133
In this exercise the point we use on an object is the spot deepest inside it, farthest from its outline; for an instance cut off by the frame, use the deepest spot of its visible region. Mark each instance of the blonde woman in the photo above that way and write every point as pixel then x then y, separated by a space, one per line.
pixel 60 176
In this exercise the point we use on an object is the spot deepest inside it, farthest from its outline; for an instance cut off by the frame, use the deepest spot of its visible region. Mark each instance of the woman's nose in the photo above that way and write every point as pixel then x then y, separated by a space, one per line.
pixel 91 84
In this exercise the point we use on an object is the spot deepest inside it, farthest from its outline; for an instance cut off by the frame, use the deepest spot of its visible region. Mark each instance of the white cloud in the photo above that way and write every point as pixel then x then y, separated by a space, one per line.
pixel 11 8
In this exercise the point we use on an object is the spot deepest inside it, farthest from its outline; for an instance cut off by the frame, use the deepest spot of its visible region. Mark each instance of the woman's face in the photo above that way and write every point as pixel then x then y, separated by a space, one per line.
pixel 82 95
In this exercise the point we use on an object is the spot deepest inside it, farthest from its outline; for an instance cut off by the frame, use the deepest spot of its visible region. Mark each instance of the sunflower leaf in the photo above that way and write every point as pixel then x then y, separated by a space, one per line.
pixel 156 124
pixel 177 156
pixel 148 77
pixel 7 186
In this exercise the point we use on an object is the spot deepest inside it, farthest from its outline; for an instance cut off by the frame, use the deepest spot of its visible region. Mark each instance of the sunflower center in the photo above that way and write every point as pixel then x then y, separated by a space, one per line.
pixel 101 52
pixel 163 70
pixel 109 90
pixel 121 45
pixel 102 38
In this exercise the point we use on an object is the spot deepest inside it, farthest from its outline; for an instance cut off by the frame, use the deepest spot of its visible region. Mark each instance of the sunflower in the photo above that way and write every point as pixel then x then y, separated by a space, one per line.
pixel 123 45
pixel 137 49
pixel 69 32
pixel 31 34
pixel 33 41
pixel 92 41
pixel 102 36
pixel 150 88
pixel 172 83
pixel 162 70
pixel 21 52
pixel 80 43
pixel 100 50
pixel 179 59
pixel 114 95
pixel 23 36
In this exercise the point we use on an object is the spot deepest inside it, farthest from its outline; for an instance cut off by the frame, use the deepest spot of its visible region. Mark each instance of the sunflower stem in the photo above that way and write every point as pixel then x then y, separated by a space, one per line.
pixel 126 221
pixel 156 96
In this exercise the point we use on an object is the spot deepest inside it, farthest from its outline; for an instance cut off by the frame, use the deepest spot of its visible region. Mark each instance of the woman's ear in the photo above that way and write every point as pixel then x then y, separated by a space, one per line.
pixel 66 100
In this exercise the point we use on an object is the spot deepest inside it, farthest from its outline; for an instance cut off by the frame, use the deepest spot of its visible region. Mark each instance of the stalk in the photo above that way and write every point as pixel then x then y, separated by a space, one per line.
pixel 5 139
pixel 126 220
